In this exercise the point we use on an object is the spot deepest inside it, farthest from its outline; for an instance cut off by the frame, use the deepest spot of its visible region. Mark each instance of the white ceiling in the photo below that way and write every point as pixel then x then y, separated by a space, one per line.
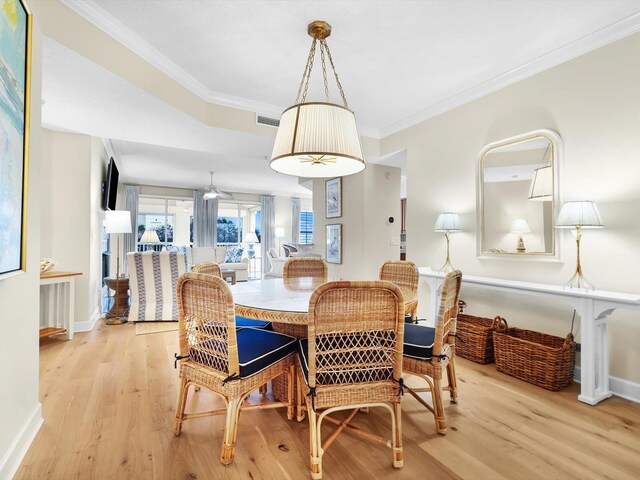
pixel 399 62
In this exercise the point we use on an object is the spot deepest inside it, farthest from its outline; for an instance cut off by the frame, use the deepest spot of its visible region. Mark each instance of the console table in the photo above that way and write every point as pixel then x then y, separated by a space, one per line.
pixel 593 306
pixel 59 307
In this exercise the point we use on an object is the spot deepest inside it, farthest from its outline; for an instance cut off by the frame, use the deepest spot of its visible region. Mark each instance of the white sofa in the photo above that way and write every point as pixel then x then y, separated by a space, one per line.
pixel 216 255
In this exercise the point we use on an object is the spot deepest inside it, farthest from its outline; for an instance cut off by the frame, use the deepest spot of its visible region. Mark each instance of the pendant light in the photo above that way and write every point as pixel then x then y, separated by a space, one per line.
pixel 318 139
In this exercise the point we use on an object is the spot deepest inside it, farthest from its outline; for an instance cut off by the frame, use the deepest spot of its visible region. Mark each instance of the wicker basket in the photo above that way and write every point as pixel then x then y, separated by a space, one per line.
pixel 537 358
pixel 475 337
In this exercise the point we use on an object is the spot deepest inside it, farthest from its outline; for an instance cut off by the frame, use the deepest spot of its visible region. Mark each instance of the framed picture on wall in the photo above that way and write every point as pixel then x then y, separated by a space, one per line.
pixel 333 253
pixel 15 77
pixel 333 189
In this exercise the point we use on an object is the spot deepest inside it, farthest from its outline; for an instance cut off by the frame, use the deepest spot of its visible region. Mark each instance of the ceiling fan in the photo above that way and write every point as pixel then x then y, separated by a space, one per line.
pixel 213 192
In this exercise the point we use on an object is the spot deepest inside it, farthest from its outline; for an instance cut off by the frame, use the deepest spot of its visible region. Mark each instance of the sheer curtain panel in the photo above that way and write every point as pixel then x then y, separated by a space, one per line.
pixel 205 221
pixel 268 228
pixel 129 240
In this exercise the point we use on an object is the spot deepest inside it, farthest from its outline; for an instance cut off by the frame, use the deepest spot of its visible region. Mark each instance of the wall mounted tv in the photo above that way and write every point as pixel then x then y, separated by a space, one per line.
pixel 110 187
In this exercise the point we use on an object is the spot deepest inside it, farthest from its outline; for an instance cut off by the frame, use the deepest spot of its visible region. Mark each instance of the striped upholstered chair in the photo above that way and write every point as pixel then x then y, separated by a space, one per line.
pixel 153 277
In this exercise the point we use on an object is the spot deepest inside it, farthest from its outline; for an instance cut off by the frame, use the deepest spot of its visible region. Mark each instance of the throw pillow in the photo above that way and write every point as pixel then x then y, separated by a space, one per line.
pixel 233 255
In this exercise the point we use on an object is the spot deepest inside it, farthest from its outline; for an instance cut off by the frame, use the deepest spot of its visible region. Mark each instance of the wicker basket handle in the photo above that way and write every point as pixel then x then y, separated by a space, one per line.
pixel 568 342
pixel 499 323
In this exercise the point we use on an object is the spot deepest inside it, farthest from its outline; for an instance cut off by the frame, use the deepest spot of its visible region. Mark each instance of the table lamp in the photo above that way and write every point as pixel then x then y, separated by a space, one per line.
pixel 579 215
pixel 116 222
pixel 519 227
pixel 447 222
pixel 149 236
pixel 251 238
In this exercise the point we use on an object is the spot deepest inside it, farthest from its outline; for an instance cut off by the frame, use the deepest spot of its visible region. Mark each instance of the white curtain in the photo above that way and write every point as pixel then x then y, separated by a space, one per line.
pixel 205 221
pixel 295 220
pixel 268 228
pixel 129 240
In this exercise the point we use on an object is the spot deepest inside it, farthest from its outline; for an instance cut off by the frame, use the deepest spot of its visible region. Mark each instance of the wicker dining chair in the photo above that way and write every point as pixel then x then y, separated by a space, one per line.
pixel 352 358
pixel 229 363
pixel 208 268
pixel 404 274
pixel 305 267
pixel 429 352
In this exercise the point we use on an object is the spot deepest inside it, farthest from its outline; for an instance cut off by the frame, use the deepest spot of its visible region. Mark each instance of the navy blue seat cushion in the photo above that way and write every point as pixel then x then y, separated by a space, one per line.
pixel 257 349
pixel 336 377
pixel 418 341
pixel 242 322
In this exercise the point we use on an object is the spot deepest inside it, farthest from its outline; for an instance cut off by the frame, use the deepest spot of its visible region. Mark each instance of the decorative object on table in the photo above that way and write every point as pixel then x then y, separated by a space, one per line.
pixel 305 267
pixel 403 274
pixel 233 255
pixel 428 352
pixel 207 320
pixel 333 189
pixel 579 214
pixel 447 222
pixel 520 227
pixel 251 238
pixel 149 236
pixel 333 252
pixel 212 192
pixel 15 104
pixel 117 314
pixel 317 139
pixel 117 222
pixel 367 372
pixel 537 358
pixel 476 336
pixel 46 265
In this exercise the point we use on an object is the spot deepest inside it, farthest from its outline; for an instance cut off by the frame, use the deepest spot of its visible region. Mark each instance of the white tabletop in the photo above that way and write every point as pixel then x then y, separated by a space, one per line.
pixel 276 294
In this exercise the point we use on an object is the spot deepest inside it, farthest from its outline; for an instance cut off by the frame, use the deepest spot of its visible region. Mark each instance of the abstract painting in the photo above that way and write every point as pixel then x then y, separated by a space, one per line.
pixel 333 190
pixel 15 31
pixel 334 243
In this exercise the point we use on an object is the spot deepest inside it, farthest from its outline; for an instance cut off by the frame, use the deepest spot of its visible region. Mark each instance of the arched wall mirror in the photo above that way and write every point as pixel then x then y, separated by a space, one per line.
pixel 518 197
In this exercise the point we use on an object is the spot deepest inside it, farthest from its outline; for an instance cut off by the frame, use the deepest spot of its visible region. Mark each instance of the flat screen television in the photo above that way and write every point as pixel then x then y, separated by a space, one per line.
pixel 110 187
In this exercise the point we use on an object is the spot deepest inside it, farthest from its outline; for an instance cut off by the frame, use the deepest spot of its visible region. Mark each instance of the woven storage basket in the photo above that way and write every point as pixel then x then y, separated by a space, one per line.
pixel 475 337
pixel 537 358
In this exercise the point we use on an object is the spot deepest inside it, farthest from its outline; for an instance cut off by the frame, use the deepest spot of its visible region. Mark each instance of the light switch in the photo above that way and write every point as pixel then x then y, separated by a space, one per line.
pixel 395 241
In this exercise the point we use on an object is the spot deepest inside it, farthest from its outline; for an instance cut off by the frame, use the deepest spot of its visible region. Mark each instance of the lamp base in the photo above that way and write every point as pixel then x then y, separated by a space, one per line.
pixel 116 321
pixel 578 281
pixel 447 267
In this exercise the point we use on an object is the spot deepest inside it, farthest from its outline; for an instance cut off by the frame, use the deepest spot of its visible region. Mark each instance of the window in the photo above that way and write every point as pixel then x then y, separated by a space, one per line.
pixel 235 220
pixel 306 227
pixel 170 217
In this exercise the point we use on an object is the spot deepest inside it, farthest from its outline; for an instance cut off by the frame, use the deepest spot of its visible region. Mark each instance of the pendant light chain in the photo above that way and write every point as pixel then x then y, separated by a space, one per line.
pixel 324 70
pixel 307 73
pixel 335 73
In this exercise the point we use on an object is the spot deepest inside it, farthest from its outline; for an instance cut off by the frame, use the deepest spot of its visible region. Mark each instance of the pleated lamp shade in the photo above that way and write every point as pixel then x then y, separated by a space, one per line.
pixel 150 236
pixel 447 222
pixel 317 140
pixel 541 189
pixel 582 214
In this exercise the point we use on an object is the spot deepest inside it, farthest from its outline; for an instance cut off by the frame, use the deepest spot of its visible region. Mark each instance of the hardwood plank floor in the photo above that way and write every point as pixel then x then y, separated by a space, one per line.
pixel 108 401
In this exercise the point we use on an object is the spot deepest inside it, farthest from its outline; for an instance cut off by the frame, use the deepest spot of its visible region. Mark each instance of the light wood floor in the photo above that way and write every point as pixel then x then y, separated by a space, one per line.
pixel 108 399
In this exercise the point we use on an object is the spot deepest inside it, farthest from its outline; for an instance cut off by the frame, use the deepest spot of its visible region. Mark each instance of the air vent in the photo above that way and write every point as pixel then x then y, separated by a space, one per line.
pixel 268 121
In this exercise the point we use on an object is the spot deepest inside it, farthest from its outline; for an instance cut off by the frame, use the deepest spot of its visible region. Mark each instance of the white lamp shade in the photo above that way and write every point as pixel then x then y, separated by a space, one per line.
pixel 583 213
pixel 279 232
pixel 520 226
pixel 251 237
pixel 447 222
pixel 150 236
pixel 541 189
pixel 117 221
pixel 317 140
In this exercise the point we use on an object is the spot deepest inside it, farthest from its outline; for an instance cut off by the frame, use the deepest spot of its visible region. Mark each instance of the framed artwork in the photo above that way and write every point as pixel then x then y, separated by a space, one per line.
pixel 334 243
pixel 15 78
pixel 333 189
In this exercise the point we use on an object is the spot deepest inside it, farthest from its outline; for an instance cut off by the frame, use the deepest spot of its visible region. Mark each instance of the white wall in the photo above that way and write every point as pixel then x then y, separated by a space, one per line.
pixel 592 102
pixel 368 199
pixel 20 411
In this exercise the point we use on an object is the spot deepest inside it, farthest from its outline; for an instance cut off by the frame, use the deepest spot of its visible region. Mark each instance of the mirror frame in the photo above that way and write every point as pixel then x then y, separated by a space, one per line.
pixel 556 151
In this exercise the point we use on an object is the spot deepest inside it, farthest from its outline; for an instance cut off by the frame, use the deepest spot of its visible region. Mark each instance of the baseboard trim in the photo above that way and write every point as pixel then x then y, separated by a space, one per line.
pixel 87 326
pixel 12 458
pixel 619 387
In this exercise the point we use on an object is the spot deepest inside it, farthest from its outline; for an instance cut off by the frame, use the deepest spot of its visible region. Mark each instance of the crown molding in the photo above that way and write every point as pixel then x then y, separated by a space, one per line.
pixel 600 38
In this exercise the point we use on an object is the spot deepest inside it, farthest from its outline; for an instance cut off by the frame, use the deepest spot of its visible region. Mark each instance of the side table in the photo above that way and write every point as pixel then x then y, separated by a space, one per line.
pixel 57 302
pixel 119 311
pixel 229 276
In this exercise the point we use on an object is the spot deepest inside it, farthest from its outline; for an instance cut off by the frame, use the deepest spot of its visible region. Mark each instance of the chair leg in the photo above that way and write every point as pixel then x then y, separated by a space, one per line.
pixel 438 407
pixel 291 377
pixel 315 445
pixel 453 383
pixel 398 457
pixel 299 408
pixel 262 389
pixel 230 431
pixel 183 390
